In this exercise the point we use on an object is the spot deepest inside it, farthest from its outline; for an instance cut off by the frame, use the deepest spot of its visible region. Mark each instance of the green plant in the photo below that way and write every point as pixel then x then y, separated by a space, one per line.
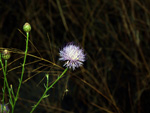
pixel 71 54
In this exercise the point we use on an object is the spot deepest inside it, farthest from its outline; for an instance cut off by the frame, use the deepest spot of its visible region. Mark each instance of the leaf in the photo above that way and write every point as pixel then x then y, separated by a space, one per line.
pixel 45 86
pixel 45 96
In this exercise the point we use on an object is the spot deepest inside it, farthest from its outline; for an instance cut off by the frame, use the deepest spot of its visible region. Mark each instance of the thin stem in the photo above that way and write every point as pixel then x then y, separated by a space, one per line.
pixel 48 88
pixel 23 65
pixel 4 86
pixel 5 79
pixel 62 15
pixel 3 96
pixel 3 100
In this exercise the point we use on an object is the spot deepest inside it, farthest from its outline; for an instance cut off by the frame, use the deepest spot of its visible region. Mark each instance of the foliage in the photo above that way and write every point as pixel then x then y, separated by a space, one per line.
pixel 115 35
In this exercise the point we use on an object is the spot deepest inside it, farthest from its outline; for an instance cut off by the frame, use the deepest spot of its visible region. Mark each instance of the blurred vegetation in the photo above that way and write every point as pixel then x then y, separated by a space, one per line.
pixel 115 35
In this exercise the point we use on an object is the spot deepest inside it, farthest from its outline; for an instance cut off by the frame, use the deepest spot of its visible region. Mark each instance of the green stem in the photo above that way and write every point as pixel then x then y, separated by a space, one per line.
pixel 4 86
pixel 48 88
pixel 5 80
pixel 23 65
pixel 3 96
pixel 3 100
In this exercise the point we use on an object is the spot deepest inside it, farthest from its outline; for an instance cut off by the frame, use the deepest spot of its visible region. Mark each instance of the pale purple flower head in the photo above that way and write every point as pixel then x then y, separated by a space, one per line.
pixel 73 55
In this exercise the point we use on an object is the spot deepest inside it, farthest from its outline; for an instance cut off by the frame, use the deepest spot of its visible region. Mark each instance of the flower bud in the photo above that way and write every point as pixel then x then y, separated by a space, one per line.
pixel 5 54
pixel 27 27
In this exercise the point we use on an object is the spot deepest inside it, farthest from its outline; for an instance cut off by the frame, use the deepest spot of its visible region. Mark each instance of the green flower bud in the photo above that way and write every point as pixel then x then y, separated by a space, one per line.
pixel 27 27
pixel 5 54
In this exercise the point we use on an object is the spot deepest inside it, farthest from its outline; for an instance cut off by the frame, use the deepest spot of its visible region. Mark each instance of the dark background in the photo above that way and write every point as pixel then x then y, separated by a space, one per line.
pixel 115 35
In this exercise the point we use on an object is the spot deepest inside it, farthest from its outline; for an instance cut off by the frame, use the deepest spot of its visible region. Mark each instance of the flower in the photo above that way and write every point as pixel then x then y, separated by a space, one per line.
pixel 73 55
